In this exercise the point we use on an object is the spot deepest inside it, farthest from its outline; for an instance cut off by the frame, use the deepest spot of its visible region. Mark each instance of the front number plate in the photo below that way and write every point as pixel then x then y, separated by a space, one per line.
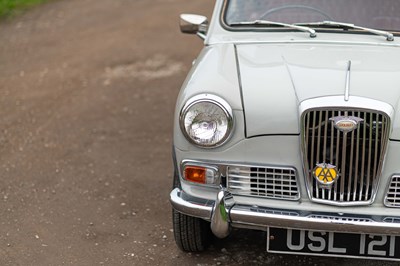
pixel 333 244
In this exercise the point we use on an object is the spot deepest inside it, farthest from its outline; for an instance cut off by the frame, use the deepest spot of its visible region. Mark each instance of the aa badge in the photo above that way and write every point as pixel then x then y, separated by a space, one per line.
pixel 325 174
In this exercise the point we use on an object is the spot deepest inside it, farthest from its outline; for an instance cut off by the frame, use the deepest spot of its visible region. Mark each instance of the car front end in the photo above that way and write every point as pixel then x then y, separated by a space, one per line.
pixel 298 135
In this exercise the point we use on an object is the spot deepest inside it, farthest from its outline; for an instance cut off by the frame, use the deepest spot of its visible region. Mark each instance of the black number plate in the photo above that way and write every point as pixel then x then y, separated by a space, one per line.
pixel 333 244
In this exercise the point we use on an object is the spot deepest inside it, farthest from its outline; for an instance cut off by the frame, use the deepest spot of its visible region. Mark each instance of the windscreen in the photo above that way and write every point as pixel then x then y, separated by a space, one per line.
pixel 378 14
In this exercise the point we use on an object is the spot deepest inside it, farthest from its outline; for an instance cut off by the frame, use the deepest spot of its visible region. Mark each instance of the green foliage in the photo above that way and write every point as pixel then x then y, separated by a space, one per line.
pixel 11 7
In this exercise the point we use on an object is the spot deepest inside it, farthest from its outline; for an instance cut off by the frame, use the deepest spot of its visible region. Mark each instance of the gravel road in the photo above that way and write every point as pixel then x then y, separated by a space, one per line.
pixel 87 93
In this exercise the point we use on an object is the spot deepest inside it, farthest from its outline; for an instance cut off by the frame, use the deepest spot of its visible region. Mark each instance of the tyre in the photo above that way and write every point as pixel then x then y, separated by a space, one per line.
pixel 191 234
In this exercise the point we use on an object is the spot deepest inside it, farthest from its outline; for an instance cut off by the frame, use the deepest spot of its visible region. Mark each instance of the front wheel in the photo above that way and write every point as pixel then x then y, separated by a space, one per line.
pixel 191 234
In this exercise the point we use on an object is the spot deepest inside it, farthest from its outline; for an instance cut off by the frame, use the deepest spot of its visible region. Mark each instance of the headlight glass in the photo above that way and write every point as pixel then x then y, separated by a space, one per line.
pixel 206 120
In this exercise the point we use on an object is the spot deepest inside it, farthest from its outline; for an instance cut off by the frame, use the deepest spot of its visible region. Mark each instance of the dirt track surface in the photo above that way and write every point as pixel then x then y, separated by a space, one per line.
pixel 87 93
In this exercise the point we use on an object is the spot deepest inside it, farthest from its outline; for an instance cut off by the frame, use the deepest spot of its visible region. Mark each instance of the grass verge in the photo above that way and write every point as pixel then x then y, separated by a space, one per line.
pixel 9 8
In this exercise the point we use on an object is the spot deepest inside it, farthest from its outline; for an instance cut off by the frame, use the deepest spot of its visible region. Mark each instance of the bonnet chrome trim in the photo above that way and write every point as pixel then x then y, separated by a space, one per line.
pixel 354 102
pixel 347 90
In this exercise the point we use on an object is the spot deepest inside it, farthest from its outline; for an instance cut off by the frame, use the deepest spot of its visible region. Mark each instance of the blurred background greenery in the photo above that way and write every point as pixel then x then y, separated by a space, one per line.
pixel 9 8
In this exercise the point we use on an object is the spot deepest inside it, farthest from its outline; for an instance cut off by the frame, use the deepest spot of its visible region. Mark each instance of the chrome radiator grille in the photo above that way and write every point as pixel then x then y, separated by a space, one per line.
pixel 392 198
pixel 357 155
pixel 277 183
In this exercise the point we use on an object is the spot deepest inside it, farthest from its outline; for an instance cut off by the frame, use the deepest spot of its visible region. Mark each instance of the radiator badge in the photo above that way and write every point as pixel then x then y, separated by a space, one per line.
pixel 325 174
pixel 346 123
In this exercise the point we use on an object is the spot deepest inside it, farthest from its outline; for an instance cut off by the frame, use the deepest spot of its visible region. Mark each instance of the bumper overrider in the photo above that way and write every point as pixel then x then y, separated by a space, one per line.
pixel 224 213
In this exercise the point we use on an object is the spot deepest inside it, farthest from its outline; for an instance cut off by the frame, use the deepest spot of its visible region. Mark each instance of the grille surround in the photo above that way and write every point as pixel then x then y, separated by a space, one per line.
pixel 263 182
pixel 322 143
pixel 392 198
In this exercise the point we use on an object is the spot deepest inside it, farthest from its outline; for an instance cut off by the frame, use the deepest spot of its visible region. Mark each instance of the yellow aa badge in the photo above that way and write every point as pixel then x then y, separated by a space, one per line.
pixel 325 174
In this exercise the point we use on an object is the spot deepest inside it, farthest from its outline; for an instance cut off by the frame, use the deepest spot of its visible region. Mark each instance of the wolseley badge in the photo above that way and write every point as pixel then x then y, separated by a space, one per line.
pixel 325 174
pixel 346 123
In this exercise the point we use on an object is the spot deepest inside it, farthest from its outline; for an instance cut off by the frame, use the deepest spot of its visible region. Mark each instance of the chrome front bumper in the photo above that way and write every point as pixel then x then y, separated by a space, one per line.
pixel 224 213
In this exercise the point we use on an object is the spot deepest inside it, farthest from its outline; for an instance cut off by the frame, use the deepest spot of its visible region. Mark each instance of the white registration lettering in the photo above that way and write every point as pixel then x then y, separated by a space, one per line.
pixel 392 244
pixel 362 244
pixel 377 243
pixel 289 240
pixel 316 239
pixel 333 249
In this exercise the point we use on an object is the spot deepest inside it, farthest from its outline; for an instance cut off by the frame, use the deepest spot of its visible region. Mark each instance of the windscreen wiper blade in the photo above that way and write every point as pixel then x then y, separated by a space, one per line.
pixel 389 36
pixel 312 32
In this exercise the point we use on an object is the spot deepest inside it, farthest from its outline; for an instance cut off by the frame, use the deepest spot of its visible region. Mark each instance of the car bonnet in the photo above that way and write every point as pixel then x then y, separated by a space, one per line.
pixel 277 78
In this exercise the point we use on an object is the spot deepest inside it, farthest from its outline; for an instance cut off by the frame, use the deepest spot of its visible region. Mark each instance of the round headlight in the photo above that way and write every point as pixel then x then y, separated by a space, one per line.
pixel 206 120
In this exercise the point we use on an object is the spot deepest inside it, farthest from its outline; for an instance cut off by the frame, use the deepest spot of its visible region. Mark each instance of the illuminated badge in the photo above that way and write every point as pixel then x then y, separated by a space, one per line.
pixel 325 174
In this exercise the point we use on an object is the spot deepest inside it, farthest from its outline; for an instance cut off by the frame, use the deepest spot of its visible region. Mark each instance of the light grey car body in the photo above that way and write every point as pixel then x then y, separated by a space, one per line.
pixel 270 79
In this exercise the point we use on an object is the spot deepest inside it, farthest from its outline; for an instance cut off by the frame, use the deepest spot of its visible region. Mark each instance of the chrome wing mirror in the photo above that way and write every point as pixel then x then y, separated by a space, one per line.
pixel 194 24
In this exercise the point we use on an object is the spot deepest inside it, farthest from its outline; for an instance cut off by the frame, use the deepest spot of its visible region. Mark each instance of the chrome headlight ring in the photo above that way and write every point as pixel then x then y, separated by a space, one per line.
pixel 206 120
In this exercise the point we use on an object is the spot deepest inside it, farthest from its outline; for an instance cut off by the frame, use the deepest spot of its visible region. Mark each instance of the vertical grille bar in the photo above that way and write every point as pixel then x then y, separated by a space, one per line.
pixel 332 148
pixel 336 159
pixel 326 121
pixel 357 163
pixel 318 144
pixel 357 154
pixel 378 123
pixel 370 150
pixel 364 139
pixel 349 183
pixel 343 169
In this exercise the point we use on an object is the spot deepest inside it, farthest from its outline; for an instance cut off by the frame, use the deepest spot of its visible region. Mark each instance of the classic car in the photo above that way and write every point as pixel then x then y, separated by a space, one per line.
pixel 289 123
